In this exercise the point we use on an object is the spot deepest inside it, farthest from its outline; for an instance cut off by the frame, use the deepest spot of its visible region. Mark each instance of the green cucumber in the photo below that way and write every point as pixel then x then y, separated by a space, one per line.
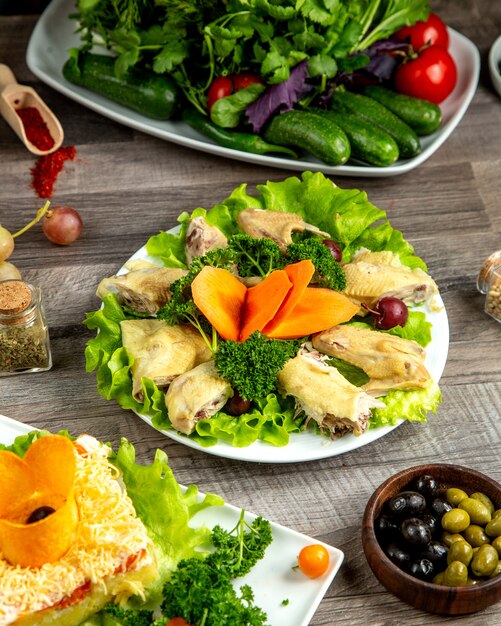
pixel 320 137
pixel 368 142
pixel 421 115
pixel 147 93
pixel 371 111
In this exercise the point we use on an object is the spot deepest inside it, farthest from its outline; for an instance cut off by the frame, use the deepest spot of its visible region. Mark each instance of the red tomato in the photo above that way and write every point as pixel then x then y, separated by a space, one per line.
pixel 432 32
pixel 244 79
pixel 221 87
pixel 432 75
pixel 177 621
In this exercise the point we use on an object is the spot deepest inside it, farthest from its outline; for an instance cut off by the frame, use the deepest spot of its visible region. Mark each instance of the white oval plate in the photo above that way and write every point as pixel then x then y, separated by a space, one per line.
pixel 272 579
pixel 54 35
pixel 308 446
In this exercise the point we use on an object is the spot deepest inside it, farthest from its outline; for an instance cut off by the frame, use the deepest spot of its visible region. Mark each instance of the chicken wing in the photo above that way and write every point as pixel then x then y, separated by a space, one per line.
pixel 202 237
pixel 390 362
pixel 144 290
pixel 161 352
pixel 195 395
pixel 276 225
pixel 325 395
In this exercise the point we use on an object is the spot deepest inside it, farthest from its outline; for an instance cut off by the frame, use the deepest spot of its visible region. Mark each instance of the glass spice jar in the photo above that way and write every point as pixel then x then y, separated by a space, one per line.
pixel 24 336
pixel 493 297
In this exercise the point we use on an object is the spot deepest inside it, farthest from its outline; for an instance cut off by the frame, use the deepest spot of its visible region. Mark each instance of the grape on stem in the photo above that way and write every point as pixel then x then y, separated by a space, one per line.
pixel 334 248
pixel 388 313
pixel 6 244
pixel 62 225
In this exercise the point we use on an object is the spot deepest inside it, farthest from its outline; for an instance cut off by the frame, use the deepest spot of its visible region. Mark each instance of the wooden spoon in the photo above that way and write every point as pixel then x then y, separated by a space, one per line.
pixel 14 96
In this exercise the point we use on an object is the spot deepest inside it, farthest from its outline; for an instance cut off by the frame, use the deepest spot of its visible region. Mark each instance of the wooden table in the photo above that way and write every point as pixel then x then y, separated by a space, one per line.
pixel 128 185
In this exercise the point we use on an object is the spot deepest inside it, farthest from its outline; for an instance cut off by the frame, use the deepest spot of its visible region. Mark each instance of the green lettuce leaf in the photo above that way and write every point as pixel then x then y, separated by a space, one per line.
pixel 21 443
pixel 412 406
pixel 416 328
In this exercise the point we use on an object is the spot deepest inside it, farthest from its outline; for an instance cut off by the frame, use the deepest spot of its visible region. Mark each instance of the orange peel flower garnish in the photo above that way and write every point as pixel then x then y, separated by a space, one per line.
pixel 43 478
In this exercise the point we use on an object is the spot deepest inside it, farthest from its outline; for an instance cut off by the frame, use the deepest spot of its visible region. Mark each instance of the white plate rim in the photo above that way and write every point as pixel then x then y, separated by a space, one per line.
pixel 272 563
pixel 43 50
pixel 297 450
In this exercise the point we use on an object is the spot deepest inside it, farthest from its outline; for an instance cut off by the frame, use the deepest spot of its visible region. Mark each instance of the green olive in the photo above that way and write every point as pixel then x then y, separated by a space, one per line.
pixel 456 520
pixel 460 551
pixel 455 575
pixel 473 581
pixel 497 570
pixel 438 579
pixel 455 495
pixel 475 550
pixel 496 543
pixel 478 512
pixel 449 538
pixel 496 514
pixel 485 561
pixel 481 497
pixel 493 528
pixel 475 535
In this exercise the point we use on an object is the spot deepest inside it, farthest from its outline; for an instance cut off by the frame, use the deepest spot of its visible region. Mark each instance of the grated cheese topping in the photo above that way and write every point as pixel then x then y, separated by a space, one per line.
pixel 107 537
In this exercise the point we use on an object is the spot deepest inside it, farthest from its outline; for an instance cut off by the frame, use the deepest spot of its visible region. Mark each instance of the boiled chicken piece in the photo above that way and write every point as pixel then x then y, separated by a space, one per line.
pixel 276 225
pixel 325 395
pixel 144 290
pixel 161 352
pixel 390 362
pixel 374 275
pixel 195 395
pixel 201 237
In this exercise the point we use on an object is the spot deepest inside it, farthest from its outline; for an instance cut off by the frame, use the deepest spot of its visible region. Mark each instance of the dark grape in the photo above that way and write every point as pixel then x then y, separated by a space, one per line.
pixel 62 225
pixel 423 569
pixel 334 248
pixel 390 312
pixel 407 503
pixel 237 405
pixel 41 513
pixel 426 485
pixel 415 531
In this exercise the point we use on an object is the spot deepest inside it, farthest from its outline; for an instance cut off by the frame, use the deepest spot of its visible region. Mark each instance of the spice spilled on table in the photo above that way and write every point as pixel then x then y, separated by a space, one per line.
pixel 47 169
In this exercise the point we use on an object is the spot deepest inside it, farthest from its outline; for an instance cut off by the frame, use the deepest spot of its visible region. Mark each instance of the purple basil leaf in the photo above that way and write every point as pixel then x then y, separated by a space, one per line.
pixel 278 98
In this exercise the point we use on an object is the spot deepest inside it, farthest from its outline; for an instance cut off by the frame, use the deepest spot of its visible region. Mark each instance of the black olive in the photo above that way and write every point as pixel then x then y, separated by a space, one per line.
pixel 399 556
pixel 440 506
pixel 41 513
pixel 387 526
pixel 422 568
pixel 237 405
pixel 431 522
pixel 415 531
pixel 426 485
pixel 436 552
pixel 407 503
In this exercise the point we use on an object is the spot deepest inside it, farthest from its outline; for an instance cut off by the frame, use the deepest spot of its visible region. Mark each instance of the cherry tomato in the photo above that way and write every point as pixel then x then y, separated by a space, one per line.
pixel 432 75
pixel 244 79
pixel 432 32
pixel 221 87
pixel 313 560
pixel 177 621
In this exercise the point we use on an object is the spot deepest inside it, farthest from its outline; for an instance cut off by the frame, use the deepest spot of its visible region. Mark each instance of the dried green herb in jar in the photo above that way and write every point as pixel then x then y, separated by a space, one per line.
pixel 24 337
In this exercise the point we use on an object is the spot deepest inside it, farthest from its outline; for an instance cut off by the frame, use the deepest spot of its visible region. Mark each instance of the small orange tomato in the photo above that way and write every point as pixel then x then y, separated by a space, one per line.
pixel 313 560
pixel 177 621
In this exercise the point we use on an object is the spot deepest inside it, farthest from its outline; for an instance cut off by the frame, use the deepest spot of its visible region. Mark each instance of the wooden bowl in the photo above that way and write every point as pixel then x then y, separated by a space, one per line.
pixel 420 594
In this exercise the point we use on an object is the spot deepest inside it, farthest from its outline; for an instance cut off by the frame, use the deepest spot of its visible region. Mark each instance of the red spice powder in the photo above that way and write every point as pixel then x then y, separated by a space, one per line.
pixel 35 128
pixel 47 169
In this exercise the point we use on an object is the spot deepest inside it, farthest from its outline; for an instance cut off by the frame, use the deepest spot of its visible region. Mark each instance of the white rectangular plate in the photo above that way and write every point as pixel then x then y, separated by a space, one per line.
pixel 54 34
pixel 272 579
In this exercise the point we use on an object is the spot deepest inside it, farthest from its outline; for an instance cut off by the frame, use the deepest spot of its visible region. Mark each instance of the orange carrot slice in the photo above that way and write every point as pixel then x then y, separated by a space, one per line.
pixel 263 301
pixel 221 297
pixel 316 310
pixel 300 275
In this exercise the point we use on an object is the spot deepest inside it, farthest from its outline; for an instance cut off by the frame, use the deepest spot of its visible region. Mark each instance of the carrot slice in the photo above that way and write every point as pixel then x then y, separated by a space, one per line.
pixel 300 275
pixel 221 297
pixel 316 310
pixel 263 301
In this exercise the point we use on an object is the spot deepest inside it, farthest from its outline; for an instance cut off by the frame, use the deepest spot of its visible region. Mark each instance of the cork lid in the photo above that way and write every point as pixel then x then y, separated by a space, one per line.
pixel 15 297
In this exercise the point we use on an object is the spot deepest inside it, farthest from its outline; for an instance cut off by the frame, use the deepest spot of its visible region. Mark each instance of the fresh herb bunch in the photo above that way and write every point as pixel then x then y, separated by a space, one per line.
pixel 252 366
pixel 200 590
pixel 255 257
pixel 196 40
pixel 126 617
pixel 328 272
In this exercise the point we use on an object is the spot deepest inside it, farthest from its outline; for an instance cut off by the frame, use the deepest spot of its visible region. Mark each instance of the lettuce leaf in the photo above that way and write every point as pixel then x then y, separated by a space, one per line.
pixel 412 406
pixel 350 219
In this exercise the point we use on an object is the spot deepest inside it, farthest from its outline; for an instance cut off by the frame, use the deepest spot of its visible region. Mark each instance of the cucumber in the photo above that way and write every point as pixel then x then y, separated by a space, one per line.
pixel 318 136
pixel 421 115
pixel 368 142
pixel 147 93
pixel 371 111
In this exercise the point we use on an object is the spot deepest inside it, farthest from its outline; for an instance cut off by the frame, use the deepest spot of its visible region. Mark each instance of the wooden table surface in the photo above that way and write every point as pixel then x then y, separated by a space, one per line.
pixel 127 186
